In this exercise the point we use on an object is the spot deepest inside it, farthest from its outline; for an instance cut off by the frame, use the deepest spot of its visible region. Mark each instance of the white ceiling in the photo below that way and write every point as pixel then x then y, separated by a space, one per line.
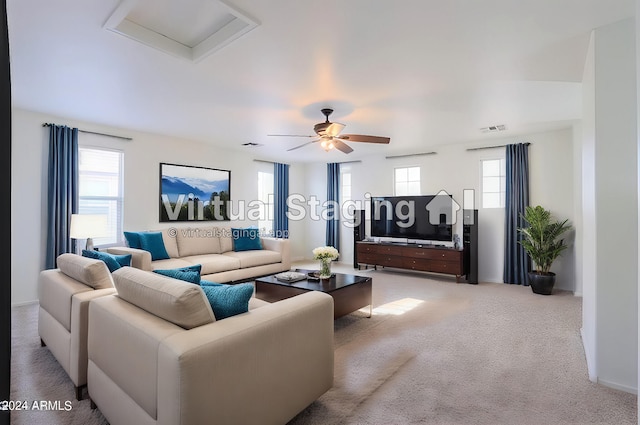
pixel 423 72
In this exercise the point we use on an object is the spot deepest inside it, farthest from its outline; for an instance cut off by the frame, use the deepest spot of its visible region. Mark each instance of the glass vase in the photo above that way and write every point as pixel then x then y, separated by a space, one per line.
pixel 325 268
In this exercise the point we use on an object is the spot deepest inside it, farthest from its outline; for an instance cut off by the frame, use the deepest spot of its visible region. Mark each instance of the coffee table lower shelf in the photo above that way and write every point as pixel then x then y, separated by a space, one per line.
pixel 349 292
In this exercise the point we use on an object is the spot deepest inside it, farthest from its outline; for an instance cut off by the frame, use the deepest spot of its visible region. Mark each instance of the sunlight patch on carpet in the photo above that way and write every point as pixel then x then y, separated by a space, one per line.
pixel 399 307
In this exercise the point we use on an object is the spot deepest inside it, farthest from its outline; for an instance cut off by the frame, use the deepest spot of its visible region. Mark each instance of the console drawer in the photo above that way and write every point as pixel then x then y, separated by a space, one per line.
pixel 433 254
pixel 450 267
pixel 389 260
pixel 416 264
pixel 376 249
pixel 367 258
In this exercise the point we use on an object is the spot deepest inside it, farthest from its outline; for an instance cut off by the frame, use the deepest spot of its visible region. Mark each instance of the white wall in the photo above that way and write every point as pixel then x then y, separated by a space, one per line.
pixel 142 156
pixel 454 169
pixel 616 192
pixel 638 162
pixel 587 223
pixel 609 222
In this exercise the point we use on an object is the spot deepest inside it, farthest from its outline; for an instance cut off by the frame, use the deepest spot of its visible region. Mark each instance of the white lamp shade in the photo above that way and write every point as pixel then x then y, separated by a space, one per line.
pixel 85 226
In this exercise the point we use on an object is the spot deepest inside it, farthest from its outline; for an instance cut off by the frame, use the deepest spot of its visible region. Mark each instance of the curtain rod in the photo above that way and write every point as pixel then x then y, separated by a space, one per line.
pixel 492 147
pixel 46 124
pixel 410 154
pixel 349 162
pixel 268 162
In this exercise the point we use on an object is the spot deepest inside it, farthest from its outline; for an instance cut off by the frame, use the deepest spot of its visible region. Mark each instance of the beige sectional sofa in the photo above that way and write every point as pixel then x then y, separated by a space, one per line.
pixel 212 247
pixel 64 295
pixel 158 356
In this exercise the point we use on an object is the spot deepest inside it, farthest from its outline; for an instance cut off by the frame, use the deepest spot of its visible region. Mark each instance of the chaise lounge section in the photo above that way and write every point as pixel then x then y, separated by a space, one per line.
pixel 213 248
pixel 157 355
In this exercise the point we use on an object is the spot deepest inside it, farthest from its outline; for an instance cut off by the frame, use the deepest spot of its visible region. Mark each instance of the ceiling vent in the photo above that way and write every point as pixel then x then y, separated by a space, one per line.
pixel 189 29
pixel 494 128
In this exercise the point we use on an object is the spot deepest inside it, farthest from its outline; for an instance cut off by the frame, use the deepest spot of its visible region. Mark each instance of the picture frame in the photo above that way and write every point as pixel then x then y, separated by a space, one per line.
pixel 194 193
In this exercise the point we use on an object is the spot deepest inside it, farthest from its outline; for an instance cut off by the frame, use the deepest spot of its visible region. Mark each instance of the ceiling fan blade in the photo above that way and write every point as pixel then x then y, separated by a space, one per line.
pixel 364 138
pixel 341 146
pixel 302 145
pixel 289 135
pixel 334 129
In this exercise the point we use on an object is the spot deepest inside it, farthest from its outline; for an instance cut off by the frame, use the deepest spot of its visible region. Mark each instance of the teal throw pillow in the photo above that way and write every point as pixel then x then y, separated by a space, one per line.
pixel 189 274
pixel 123 260
pixel 246 239
pixel 152 242
pixel 133 239
pixel 227 300
pixel 113 262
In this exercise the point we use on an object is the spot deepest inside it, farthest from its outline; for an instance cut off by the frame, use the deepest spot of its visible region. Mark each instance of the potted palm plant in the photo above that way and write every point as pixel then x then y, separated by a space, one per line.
pixel 543 243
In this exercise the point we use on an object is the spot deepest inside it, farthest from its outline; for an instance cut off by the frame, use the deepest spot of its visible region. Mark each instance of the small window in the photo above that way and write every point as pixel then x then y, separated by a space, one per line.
pixel 100 185
pixel 266 198
pixel 493 183
pixel 407 181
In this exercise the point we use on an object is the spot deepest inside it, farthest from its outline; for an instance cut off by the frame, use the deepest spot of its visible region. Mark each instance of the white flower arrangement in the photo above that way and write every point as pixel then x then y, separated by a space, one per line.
pixel 325 253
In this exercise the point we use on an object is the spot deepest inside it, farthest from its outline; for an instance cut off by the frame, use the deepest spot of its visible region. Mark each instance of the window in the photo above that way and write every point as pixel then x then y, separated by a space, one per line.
pixel 345 190
pixel 493 183
pixel 407 181
pixel 266 198
pixel 100 188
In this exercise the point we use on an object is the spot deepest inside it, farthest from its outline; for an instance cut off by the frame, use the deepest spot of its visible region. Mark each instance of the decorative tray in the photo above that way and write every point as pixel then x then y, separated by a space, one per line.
pixel 290 277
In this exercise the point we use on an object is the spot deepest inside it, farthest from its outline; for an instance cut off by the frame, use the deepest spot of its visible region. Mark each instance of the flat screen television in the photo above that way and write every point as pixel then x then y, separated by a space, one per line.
pixel 428 217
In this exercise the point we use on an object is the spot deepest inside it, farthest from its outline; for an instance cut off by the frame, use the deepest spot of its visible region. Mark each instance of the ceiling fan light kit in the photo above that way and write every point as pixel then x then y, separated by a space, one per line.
pixel 328 134
pixel 327 145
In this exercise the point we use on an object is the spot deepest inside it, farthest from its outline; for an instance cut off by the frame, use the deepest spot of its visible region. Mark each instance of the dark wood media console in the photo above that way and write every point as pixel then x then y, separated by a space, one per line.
pixel 426 258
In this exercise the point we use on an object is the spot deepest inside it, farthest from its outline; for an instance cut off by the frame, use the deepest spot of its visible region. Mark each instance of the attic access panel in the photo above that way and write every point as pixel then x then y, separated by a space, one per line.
pixel 190 29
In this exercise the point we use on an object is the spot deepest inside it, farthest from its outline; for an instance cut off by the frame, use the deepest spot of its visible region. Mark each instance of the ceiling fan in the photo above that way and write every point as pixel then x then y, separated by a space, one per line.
pixel 328 134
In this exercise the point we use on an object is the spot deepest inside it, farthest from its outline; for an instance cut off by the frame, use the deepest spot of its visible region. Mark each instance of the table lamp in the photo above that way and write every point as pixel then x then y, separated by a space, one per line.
pixel 88 226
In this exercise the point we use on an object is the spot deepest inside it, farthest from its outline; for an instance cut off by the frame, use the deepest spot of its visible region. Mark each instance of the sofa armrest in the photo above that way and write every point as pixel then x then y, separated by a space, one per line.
pixel 140 259
pixel 279 357
pixel 79 333
pixel 280 245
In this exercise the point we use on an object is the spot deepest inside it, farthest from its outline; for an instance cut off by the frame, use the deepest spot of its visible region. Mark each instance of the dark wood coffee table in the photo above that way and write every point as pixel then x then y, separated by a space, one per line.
pixel 349 292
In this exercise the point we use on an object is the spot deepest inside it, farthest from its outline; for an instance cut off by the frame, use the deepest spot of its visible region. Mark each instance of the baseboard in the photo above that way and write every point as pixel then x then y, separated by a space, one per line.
pixel 593 377
pixel 24 303
pixel 591 365
pixel 615 386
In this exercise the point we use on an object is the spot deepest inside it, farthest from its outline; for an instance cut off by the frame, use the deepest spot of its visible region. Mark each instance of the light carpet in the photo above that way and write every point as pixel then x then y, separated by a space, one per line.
pixel 434 352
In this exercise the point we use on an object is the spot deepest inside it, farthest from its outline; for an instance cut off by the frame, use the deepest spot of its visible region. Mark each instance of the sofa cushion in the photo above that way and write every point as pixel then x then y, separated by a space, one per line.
pixel 246 239
pixel 255 258
pixel 214 263
pixel 154 243
pixel 175 301
pixel 197 241
pixel 227 300
pixel 226 240
pixel 189 274
pixel 171 263
pixel 91 272
pixel 113 262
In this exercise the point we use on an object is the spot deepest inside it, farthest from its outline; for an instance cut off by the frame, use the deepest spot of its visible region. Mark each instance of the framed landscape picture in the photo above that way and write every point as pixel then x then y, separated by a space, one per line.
pixel 190 193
